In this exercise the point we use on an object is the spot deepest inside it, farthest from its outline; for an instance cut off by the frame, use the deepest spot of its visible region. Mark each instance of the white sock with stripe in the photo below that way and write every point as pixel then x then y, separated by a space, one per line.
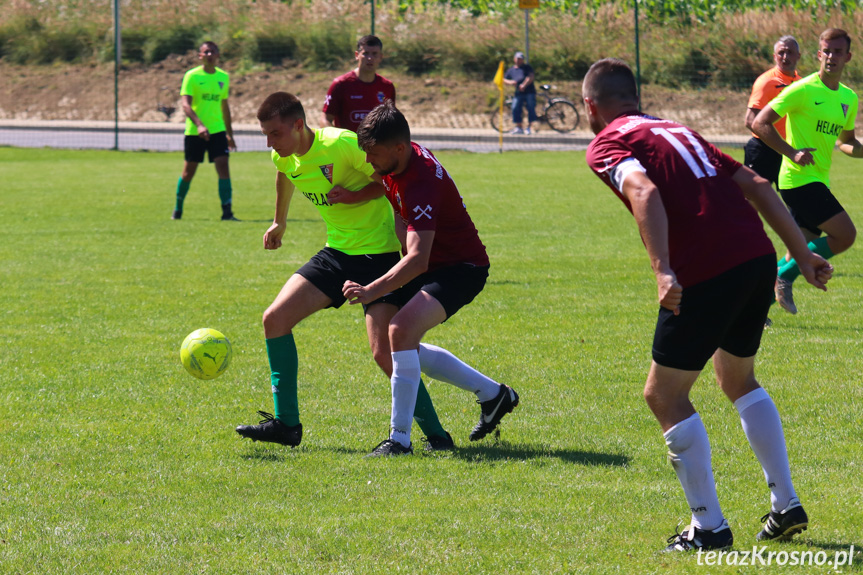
pixel 405 382
pixel 763 429
pixel 439 364
pixel 689 453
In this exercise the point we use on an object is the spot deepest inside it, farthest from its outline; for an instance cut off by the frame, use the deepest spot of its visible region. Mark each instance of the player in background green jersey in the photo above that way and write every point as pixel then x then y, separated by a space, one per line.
pixel 330 170
pixel 820 110
pixel 208 127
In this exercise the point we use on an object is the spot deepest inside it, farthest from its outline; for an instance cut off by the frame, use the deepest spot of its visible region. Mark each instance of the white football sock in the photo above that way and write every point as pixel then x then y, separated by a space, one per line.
pixel 689 453
pixel 405 382
pixel 763 429
pixel 439 364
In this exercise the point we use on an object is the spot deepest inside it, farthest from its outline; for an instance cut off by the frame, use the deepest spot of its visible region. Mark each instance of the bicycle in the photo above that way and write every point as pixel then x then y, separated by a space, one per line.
pixel 161 96
pixel 558 112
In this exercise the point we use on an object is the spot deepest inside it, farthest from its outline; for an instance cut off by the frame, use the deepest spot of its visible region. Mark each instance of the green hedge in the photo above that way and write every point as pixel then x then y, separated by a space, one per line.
pixel 683 43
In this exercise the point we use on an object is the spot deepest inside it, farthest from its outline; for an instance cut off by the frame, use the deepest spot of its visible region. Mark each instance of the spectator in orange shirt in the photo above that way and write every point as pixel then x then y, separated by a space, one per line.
pixel 758 155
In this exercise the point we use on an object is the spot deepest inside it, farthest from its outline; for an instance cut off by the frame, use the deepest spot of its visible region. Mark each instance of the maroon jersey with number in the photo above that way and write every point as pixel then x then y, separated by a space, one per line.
pixel 711 226
pixel 426 198
pixel 349 99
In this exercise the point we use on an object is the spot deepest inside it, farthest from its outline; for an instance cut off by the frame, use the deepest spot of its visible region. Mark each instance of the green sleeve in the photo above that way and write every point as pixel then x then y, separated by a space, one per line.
pixel 186 88
pixel 357 158
pixel 852 114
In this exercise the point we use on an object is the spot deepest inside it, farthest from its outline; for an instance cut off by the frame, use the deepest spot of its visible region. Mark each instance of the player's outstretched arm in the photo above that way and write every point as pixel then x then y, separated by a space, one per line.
pixel 340 195
pixel 757 190
pixel 229 129
pixel 849 144
pixel 763 127
pixel 190 113
pixel 284 192
pixel 749 118
pixel 414 263
pixel 649 212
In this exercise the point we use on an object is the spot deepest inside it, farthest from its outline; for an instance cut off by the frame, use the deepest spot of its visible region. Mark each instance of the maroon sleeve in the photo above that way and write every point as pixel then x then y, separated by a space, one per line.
pixel 605 153
pixel 333 100
pixel 423 206
pixel 723 161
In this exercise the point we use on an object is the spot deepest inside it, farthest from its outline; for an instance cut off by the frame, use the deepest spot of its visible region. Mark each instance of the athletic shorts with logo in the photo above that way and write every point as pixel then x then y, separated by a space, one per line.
pixel 725 312
pixel 811 205
pixel 216 146
pixel 453 287
pixel 329 269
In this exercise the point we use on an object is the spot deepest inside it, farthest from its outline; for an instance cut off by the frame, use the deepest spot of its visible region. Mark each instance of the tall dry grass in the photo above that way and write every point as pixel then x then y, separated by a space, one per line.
pixel 422 38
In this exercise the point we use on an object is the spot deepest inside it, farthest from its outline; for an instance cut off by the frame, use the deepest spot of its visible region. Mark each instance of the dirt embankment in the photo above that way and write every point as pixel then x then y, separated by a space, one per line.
pixel 67 92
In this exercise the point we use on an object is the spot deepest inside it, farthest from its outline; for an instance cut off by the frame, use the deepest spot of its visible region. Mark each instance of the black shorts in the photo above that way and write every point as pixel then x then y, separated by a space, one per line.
pixel 763 159
pixel 329 269
pixel 811 205
pixel 725 312
pixel 454 287
pixel 216 146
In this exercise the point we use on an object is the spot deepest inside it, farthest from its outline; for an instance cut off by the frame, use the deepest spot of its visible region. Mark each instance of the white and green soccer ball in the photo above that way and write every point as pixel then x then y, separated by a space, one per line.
pixel 206 353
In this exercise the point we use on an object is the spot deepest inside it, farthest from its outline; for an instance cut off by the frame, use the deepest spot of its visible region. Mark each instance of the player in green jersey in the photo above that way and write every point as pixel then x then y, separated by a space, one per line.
pixel 208 127
pixel 330 170
pixel 820 110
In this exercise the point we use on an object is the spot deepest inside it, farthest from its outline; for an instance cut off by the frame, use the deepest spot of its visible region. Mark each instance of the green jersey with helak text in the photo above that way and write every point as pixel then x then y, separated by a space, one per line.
pixel 336 159
pixel 207 92
pixel 816 115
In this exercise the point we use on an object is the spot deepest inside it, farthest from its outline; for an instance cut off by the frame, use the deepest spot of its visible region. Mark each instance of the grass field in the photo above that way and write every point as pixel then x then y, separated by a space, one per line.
pixel 114 460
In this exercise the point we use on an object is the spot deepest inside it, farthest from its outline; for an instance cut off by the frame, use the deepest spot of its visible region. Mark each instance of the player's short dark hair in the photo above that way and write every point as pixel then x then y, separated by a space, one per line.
pixel 209 44
pixel 286 106
pixel 610 79
pixel 383 125
pixel 369 41
pixel 834 34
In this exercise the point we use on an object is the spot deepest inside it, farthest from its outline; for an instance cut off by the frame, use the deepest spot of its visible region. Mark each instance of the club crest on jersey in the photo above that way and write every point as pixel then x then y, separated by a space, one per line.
pixel 328 172
pixel 221 85
pixel 381 97
pixel 426 211
pixel 845 110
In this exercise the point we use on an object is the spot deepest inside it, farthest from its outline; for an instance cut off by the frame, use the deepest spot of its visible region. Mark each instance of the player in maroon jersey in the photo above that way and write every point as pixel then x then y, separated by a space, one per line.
pixel 444 267
pixel 715 269
pixel 353 95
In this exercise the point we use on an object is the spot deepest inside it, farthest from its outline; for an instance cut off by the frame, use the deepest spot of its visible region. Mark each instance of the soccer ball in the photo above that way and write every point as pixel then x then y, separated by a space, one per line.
pixel 205 353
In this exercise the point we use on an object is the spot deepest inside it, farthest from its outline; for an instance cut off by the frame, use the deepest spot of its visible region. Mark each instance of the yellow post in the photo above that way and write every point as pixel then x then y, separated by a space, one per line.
pixel 498 80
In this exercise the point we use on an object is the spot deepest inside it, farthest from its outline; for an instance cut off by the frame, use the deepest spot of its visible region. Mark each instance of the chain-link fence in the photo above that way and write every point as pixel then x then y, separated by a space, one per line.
pixel 61 86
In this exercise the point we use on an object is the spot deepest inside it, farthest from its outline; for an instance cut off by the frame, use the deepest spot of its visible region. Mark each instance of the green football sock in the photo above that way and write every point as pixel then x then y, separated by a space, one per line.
pixel 425 414
pixel 821 247
pixel 225 191
pixel 790 271
pixel 284 364
pixel 182 190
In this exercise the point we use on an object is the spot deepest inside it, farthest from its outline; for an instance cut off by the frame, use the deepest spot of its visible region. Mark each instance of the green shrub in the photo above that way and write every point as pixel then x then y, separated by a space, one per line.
pixel 417 56
pixel 133 45
pixel 272 47
pixel 177 40
pixel 325 47
pixel 561 65
pixel 29 42
pixel 683 43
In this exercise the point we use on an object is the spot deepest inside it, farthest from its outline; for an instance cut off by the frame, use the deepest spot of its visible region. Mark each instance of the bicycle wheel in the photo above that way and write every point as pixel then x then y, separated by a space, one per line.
pixel 495 119
pixel 495 115
pixel 562 116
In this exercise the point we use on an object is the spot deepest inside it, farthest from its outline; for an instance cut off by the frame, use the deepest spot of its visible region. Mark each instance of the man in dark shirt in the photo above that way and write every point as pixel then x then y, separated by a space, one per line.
pixel 521 76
